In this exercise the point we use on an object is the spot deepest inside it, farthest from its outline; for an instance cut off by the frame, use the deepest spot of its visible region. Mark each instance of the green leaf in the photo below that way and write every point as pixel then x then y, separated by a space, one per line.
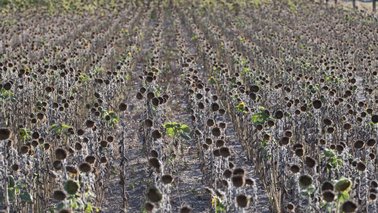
pixel 54 127
pixel 74 204
pixel 170 132
pixel 185 128
pixel 12 193
pixel 220 207
pixel 334 161
pixel 84 77
pixel 25 134
pixel 343 185
pixel 6 94
pixel 65 126
pixel 173 128
pixel 170 125
pixel 339 162
pixel 26 196
pixel 329 153
pixel 259 118
pixel 240 107
pixel 115 120
pixel 88 208
pixel 342 197
pixel 17 189
pixel 11 181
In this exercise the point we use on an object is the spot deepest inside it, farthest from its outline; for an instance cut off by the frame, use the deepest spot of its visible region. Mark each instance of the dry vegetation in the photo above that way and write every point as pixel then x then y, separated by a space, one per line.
pixel 187 106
